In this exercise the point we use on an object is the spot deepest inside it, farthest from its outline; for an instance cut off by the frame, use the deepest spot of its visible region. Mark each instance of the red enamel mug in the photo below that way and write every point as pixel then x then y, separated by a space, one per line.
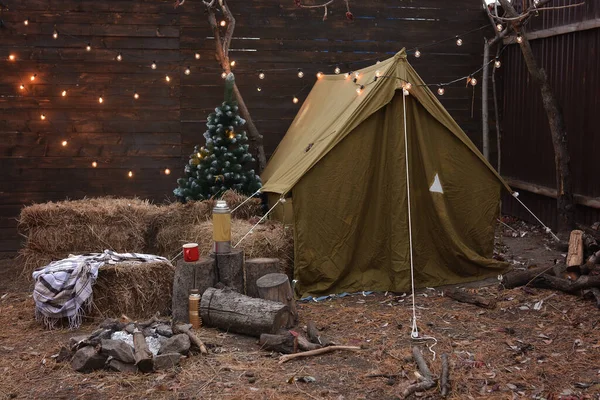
pixel 190 252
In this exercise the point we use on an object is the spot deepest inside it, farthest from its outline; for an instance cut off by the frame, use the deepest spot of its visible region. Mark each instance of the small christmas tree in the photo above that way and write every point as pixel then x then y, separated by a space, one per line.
pixel 223 162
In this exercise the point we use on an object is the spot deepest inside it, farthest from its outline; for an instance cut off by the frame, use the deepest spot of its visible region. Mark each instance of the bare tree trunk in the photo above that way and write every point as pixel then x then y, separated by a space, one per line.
pixel 485 128
pixel 497 116
pixel 222 56
pixel 558 130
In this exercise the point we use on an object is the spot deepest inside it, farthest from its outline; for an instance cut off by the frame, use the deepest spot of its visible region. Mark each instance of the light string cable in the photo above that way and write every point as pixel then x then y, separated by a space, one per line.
pixel 281 200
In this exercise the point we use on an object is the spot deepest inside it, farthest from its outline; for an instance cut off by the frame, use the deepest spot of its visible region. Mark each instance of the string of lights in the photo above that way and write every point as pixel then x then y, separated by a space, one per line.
pixel 124 56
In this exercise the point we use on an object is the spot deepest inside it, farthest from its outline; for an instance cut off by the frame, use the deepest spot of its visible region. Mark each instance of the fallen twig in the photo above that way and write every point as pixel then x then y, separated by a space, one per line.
pixel 288 357
pixel 444 386
pixel 428 381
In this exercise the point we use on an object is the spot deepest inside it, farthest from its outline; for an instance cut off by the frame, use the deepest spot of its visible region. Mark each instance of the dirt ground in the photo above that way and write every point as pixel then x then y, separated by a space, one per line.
pixel 516 350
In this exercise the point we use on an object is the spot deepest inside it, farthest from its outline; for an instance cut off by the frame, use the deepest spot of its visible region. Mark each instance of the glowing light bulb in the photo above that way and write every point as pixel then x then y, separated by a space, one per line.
pixel 153 65
pixel 136 95
pixel 130 174
pixel 223 74
pixel 12 57
pixel 22 87
pixel 295 100
pixel 100 100
pixel 497 63
pixel 232 63
pixel 32 77
pixel 55 34
pixel 88 47
pixel 417 53
pixel 459 41
pixel 519 38
pixel 536 2
pixel 357 75
pixel 43 117
pixel 167 171
pixel 63 93
pixel 197 55
pixel 473 81
pixel 407 86
pixel 26 22
pixel 231 135
pixel 94 164
pixel 319 75
pixel 199 155
pixel 64 143
pixel 258 88
pixel 378 73
pixel 187 71
pixel 300 73
pixel 261 75
pixel 223 23
pixel 347 75
pixel 359 89
pixel 167 78
pixel 337 70
pixel 441 91
pixel 119 57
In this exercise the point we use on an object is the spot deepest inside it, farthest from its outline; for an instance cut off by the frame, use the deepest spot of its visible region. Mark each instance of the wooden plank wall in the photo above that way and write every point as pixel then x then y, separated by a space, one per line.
pixel 158 130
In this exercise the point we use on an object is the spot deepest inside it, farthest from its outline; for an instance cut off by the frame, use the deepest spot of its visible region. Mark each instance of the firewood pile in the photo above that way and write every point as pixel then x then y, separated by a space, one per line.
pixel 578 274
pixel 128 346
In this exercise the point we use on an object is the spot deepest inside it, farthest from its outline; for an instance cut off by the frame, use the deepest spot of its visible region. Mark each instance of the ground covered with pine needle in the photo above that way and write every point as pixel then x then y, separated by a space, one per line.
pixel 516 350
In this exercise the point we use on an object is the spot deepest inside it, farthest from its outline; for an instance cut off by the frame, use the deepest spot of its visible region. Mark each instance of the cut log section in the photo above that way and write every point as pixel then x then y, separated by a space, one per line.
pixel 199 275
pixel 276 287
pixel 230 269
pixel 315 336
pixel 521 278
pixel 282 343
pixel 575 253
pixel 235 312
pixel 465 297
pixel 142 355
pixel 256 268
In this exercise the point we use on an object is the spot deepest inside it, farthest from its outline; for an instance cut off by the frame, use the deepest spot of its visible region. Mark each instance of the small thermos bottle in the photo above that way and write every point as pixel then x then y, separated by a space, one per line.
pixel 222 227
pixel 194 308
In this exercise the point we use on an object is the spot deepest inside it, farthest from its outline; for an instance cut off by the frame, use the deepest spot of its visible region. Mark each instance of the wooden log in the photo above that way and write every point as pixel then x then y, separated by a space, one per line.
pixel 235 312
pixel 281 343
pixel 323 350
pixel 230 269
pixel 465 297
pixel 552 282
pixel 199 275
pixel 427 383
pixel 276 287
pixel 142 355
pixel 593 293
pixel 519 278
pixel 590 243
pixel 256 268
pixel 575 253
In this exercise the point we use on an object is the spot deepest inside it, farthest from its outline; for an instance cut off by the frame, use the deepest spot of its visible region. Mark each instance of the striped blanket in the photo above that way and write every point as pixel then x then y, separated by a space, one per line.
pixel 63 289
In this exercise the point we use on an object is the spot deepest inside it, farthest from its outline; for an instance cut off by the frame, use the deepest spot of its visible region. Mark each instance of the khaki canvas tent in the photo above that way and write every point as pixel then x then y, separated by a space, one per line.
pixel 343 163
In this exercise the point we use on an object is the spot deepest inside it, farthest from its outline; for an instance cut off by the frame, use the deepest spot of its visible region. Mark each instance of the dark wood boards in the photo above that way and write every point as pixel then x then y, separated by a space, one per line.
pixel 159 130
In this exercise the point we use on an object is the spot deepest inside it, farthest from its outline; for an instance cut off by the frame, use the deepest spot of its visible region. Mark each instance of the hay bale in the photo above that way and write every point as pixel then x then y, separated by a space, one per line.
pixel 270 239
pixel 55 230
pixel 177 223
pixel 133 288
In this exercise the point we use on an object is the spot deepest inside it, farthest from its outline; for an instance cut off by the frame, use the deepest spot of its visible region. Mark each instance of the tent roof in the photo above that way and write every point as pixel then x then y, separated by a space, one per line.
pixel 333 109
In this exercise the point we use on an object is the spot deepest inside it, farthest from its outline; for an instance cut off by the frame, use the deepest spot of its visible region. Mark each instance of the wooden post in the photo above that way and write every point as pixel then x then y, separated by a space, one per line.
pixel 575 254
pixel 256 268
pixel 276 287
pixel 235 312
pixel 199 275
pixel 230 269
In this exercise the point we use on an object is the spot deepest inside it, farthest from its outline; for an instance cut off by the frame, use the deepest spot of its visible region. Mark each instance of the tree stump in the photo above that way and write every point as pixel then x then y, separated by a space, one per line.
pixel 199 275
pixel 230 269
pixel 256 268
pixel 276 287
pixel 235 312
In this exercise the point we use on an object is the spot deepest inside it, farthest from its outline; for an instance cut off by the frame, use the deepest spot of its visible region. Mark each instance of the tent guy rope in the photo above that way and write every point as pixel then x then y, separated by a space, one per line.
pixel 281 200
